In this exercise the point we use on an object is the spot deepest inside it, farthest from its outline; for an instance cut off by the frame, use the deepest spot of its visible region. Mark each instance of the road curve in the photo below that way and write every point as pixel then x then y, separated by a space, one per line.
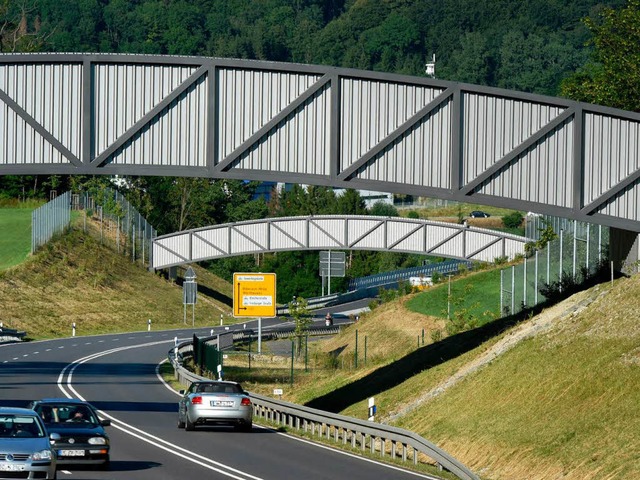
pixel 117 373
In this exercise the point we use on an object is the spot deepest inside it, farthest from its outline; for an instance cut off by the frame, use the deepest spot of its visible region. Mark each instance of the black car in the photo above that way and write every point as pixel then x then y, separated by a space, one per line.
pixel 479 214
pixel 83 440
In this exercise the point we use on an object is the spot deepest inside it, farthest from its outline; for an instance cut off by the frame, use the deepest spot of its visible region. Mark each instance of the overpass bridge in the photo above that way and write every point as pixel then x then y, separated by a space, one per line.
pixel 335 232
pixel 114 114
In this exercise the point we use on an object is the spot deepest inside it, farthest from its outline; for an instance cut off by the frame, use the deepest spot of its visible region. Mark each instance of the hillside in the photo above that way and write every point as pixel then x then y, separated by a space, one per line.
pixel 554 397
pixel 76 279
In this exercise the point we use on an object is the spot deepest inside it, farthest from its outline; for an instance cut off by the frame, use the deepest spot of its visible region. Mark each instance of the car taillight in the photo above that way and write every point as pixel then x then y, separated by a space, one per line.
pixel 196 400
pixel 245 402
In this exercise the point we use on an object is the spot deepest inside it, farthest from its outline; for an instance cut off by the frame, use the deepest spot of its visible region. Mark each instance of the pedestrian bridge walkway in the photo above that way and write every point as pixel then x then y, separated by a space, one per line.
pixel 335 232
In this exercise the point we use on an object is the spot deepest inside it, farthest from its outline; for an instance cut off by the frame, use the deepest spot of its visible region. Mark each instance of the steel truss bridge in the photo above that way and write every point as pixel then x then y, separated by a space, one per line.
pixel 114 114
pixel 337 233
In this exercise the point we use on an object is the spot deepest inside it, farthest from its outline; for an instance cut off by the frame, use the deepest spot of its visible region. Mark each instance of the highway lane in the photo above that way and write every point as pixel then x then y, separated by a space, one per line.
pixel 117 373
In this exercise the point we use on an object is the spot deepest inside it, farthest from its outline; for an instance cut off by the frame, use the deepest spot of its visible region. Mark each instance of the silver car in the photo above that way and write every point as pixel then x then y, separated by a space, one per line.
pixel 215 402
pixel 25 446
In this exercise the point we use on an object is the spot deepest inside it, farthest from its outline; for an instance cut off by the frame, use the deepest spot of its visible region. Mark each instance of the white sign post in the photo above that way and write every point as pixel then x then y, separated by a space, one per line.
pixel 372 409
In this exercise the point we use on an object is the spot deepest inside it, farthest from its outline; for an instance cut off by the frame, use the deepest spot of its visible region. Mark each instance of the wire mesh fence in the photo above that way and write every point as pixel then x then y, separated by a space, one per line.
pixel 577 252
pixel 51 218
pixel 121 224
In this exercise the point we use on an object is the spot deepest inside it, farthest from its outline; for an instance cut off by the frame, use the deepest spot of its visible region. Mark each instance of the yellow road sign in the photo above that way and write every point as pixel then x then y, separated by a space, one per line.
pixel 254 294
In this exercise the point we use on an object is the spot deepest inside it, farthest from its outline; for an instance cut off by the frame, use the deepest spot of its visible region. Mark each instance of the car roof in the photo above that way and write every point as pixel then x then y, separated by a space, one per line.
pixel 65 401
pixel 215 382
pixel 16 411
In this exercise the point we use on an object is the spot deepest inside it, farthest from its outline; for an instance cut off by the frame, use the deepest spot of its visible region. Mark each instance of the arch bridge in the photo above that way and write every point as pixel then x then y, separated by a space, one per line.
pixel 335 232
pixel 114 114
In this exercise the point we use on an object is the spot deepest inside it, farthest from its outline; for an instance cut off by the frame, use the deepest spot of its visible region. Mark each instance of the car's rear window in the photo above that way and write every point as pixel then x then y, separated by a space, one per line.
pixel 218 388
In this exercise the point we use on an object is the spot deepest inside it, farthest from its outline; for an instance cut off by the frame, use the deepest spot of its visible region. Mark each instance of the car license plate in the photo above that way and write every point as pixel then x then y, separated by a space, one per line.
pixel 71 453
pixel 11 467
pixel 222 403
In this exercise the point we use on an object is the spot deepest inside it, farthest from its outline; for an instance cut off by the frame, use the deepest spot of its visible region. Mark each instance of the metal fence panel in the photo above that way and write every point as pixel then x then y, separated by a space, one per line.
pixel 51 218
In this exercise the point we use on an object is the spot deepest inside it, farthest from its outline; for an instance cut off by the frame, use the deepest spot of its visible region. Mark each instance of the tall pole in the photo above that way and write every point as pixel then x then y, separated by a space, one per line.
pixel 356 352
pixel 449 300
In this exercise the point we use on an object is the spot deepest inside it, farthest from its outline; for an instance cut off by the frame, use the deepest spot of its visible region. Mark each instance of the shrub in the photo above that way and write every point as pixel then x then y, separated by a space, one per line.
pixel 413 214
pixel 513 220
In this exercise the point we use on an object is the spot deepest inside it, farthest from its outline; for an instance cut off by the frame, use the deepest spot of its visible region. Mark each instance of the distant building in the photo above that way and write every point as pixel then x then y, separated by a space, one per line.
pixel 265 190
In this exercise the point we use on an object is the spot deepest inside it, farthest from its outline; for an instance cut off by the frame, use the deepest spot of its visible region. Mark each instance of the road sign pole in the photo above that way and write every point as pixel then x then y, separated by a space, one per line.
pixel 329 281
pixel 259 335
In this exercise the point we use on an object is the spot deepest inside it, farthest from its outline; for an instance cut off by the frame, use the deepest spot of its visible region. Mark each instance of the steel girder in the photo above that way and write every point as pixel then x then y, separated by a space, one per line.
pixel 113 114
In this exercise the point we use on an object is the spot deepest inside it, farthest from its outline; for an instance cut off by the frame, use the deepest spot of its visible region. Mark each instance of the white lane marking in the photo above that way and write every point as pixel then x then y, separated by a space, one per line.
pixel 16 358
pixel 142 435
pixel 48 350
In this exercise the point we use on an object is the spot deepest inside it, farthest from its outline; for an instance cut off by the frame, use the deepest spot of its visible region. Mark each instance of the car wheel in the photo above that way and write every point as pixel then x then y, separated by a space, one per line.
pixel 180 422
pixel 244 427
pixel 189 426
pixel 106 465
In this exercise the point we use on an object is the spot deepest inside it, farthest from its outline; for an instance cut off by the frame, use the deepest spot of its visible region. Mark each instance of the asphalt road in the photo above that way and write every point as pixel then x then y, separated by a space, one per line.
pixel 117 373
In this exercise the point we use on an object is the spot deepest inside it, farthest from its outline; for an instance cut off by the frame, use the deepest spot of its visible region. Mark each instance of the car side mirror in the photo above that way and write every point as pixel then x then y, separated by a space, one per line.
pixel 54 437
pixel 106 422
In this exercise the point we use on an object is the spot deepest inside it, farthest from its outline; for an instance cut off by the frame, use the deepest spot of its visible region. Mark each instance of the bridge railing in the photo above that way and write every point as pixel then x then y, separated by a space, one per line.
pixel 377 438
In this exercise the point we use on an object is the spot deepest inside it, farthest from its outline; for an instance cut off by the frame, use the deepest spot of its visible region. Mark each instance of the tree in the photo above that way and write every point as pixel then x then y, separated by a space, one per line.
pixel 612 78
pixel 382 209
pixel 20 27
pixel 299 311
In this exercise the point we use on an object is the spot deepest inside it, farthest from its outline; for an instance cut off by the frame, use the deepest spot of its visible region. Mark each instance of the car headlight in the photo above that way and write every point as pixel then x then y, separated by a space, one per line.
pixel 97 441
pixel 42 455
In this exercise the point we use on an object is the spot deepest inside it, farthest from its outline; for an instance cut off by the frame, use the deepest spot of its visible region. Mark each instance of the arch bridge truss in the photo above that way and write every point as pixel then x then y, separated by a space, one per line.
pixel 335 233
pixel 108 114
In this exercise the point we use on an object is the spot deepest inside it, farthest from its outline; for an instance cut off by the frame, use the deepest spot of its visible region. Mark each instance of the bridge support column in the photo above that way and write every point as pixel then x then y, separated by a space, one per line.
pixel 624 250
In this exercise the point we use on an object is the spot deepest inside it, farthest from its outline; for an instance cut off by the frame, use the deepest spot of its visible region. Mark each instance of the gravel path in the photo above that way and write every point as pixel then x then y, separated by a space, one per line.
pixel 530 328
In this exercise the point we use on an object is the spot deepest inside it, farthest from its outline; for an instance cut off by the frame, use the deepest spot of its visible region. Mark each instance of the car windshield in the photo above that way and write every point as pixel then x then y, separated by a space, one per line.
pixel 63 414
pixel 20 426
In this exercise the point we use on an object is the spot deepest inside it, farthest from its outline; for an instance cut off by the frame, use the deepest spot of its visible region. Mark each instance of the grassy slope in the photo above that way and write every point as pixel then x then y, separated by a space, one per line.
pixel 15 241
pixel 560 404
pixel 75 279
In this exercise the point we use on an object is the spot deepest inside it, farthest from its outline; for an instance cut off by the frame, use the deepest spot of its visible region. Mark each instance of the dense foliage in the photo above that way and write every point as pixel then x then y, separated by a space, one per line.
pixel 528 46
pixel 612 77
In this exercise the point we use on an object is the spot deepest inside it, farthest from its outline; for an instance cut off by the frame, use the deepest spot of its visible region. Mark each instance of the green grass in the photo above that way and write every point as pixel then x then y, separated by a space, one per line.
pixel 472 295
pixel 15 241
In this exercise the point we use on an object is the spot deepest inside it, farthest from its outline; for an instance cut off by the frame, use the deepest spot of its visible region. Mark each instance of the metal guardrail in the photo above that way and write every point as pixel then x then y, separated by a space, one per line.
pixel 246 335
pixel 375 437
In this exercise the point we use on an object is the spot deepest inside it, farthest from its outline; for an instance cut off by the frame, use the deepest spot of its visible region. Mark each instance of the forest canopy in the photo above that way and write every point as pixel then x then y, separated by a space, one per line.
pixel 527 46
